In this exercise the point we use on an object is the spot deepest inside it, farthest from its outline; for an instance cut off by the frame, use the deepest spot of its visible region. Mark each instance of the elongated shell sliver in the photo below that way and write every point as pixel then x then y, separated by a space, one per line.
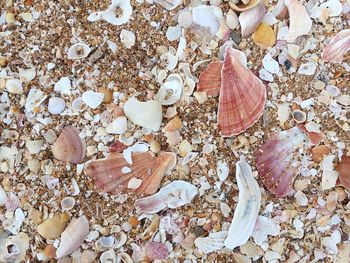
pixel 247 210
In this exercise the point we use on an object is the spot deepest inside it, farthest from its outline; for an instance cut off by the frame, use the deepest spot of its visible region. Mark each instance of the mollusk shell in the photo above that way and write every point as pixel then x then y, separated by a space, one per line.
pixel 169 4
pixel 115 174
pixel 242 97
pixel 170 92
pixel 250 19
pixel 240 7
pixel 344 171
pixel 210 79
pixel 69 147
pixel 78 51
pixel 337 47
pixel 214 242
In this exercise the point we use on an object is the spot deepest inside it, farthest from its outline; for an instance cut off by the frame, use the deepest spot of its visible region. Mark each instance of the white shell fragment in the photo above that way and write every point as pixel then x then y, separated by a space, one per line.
pixel 34 99
pixel 109 256
pixel 128 38
pixel 207 17
pixel 270 64
pixel 329 175
pixel 222 170
pixel 146 114
pixel 67 203
pixel 56 105
pixel 78 51
pixel 173 195
pixel 27 75
pixel 14 248
pixel 63 85
pixel 173 33
pixel 117 126
pixel 92 99
pixel 307 69
pixel 14 86
pixel 170 92
pixel 214 242
pixel 247 210
pixel 118 13
pixel 169 4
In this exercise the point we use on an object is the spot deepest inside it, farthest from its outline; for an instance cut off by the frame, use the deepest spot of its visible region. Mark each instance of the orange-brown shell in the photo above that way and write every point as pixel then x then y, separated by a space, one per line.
pixel 210 79
pixel 344 171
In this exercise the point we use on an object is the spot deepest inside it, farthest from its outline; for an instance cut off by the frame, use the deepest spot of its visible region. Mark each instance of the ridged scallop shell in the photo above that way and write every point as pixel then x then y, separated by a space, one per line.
pixel 278 160
pixel 337 47
pixel 344 171
pixel 214 242
pixel 69 147
pixel 242 97
pixel 210 79
pixel 170 92
pixel 240 7
pixel 114 174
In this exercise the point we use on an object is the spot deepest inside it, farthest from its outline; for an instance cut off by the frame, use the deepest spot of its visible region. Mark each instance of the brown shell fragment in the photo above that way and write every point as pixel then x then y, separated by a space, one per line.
pixel 318 153
pixel 344 171
pixel 210 79
pixel 69 147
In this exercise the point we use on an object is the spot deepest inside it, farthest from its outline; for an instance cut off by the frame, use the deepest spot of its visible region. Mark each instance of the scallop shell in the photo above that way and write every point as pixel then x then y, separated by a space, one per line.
pixel 240 6
pixel 73 236
pixel 78 51
pixel 170 92
pixel 69 147
pixel 344 171
pixel 250 19
pixel 146 114
pixel 214 242
pixel 114 173
pixel 300 22
pixel 242 97
pixel 210 79
pixel 278 160
pixel 173 195
pixel 337 47
pixel 169 4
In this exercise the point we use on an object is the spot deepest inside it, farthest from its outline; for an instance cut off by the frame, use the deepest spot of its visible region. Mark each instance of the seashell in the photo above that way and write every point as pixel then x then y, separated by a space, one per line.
pixel 210 79
pixel 34 99
pixel 201 97
pixel 332 7
pixel 69 147
pixel 247 210
pixel 337 47
pixel 250 19
pixel 56 105
pixel 173 138
pixel 78 51
pixel 332 199
pixel 299 116
pixel 280 10
pixel 344 171
pixel 117 126
pixel 110 15
pixel 184 148
pixel 300 22
pixel 207 17
pixel 156 250
pixel 214 242
pixel 283 113
pixel 222 170
pixel 173 33
pixel 125 258
pixel 79 105
pixel 88 256
pixel 67 203
pixel 329 175
pixel 232 20
pixel 264 36
pixel 73 236
pixel 105 243
pixel 146 114
pixel 319 152
pixel 127 38
pixel 13 249
pixel 240 6
pixel 27 75
pixel 114 173
pixel 169 4
pixel 92 99
pixel 174 124
pixel 52 227
pixel 109 256
pixel 3 196
pixel 63 86
pixel 173 195
pixel 170 92
pixel 264 226
pixel 120 240
pixel 170 60
pixel 14 86
pixel 242 97
pixel 185 19
pixel 278 160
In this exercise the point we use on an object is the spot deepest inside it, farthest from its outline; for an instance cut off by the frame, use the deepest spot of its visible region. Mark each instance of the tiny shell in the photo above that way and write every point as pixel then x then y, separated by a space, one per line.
pixel 146 114
pixel 170 92
pixel 240 6
pixel 210 79
pixel 69 147
pixel 214 242
pixel 344 171
pixel 78 51
pixel 222 170
pixel 185 19
pixel 67 203
pixel 299 116
pixel 232 20
pixel 109 256
pixel 92 99
pixel 128 38
pixel 184 148
pixel 270 64
pixel 104 243
pixel 169 4
pixel 27 75
pixel 14 86
pixel 264 36
pixel 337 47
pixel 173 125
pixel 250 19
pixel 329 175
pixel 34 99
pixel 56 105
pixel 117 126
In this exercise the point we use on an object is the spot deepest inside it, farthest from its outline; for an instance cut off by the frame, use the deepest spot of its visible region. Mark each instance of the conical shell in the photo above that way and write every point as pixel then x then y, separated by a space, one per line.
pixel 210 79
pixel 300 22
pixel 344 171
pixel 242 97
pixel 240 7
pixel 337 47
pixel 278 160
pixel 114 174
pixel 214 242
pixel 69 147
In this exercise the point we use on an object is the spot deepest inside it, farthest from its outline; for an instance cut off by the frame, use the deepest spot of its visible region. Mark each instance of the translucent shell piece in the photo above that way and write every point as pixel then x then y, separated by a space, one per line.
pixel 279 160
pixel 69 147
pixel 210 79
pixel 344 171
pixel 242 97
pixel 337 47
pixel 114 174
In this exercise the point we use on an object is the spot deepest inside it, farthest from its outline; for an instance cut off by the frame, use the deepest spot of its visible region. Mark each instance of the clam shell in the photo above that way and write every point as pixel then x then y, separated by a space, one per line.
pixel 300 22
pixel 337 47
pixel 214 242
pixel 104 243
pixel 170 92
pixel 250 19
pixel 169 4
pixel 210 79
pixel 146 114
pixel 69 147
pixel 242 97
pixel 67 203
pixel 73 236
pixel 173 195
pixel 114 173
pixel 240 6
pixel 207 17
pixel 344 171
pixel 63 85
pixel 278 160
pixel 14 86
pixel 78 51
pixel 299 116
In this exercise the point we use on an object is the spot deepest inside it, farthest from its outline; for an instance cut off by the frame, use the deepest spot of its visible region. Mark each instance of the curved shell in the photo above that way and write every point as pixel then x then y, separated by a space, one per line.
pixel 78 51
pixel 337 47
pixel 278 160
pixel 240 7
pixel 344 171
pixel 242 97
pixel 170 92
pixel 67 203
pixel 169 4
pixel 114 174
pixel 214 242
pixel 210 79
pixel 13 249
pixel 109 256
pixel 250 19
pixel 69 147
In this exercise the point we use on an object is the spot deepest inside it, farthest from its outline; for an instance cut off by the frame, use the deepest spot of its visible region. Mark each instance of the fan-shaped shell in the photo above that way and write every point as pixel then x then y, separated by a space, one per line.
pixel 69 147
pixel 115 174
pixel 279 160
pixel 337 47
pixel 242 97
pixel 210 79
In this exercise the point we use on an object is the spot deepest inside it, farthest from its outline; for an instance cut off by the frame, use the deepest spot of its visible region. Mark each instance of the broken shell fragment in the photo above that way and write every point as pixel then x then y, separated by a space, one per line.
pixel 146 114
pixel 73 236
pixel 14 86
pixel 241 6
pixel 278 160
pixel 78 51
pixel 214 242
pixel 115 174
pixel 13 249
pixel 299 116
pixel 247 210
pixel 264 36
pixel 173 195
pixel 344 171
pixel 34 99
pixel 69 147
pixel 109 256
pixel 210 79
pixel 242 97
pixel 250 19
pixel 170 92
pixel 207 17
pixel 319 152
pixel 67 203
pixel 169 4
pixel 52 227
pixel 337 47
pixel 56 105
pixel 173 125
pixel 92 99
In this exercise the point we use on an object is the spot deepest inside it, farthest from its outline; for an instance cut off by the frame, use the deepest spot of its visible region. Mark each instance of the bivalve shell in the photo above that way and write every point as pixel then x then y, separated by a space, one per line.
pixel 214 242
pixel 78 51
pixel 170 92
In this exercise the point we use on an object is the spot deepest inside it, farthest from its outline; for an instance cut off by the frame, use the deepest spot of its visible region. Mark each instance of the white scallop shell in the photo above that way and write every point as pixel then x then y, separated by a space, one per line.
pixel 214 242
pixel 78 51
pixel 170 92
pixel 56 105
